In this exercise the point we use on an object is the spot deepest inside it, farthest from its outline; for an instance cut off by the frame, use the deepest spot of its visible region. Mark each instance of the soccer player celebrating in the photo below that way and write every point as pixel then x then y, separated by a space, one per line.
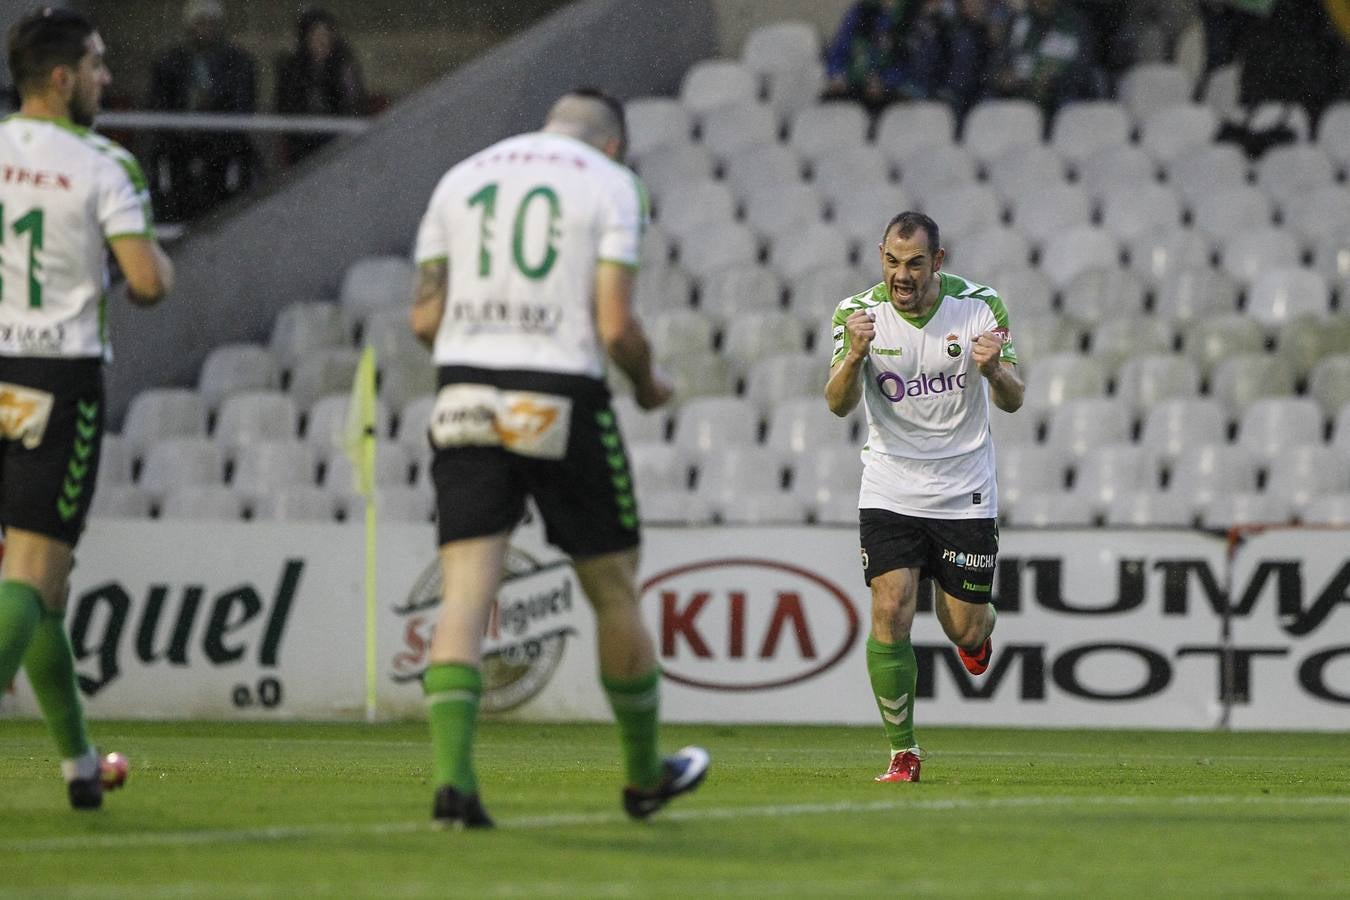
pixel 64 193
pixel 924 350
pixel 526 257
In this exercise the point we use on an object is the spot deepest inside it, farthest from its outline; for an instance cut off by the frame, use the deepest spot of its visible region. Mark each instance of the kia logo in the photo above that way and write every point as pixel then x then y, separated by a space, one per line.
pixel 747 624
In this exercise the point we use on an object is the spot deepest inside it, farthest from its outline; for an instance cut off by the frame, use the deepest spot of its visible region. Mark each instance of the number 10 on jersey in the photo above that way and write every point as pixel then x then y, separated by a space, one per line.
pixel 487 198
pixel 29 225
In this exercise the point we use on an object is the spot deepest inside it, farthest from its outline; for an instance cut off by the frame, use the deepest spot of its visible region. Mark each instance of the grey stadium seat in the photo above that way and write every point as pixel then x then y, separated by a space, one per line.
pixel 1327 509
pixel 326 422
pixel 1171 131
pixel 658 466
pixel 237 367
pixel 1023 170
pixel 993 126
pixel 1213 340
pixel 762 170
pixel 698 204
pixel 747 287
pixel 1153 509
pixel 711 83
pixel 376 281
pixel 1028 469
pixel 653 122
pixel 674 507
pixel 1082 129
pixel 1149 86
pixel 637 424
pixel 764 508
pixel 840 172
pixel 115 461
pixel 826 472
pixel 1117 168
pixel 1251 252
pixel 393 468
pixel 296 503
pixel 1226 212
pixel 771 379
pixel 1293 172
pixel 1102 291
pixel 1060 377
pixel 1078 249
pixel 1203 170
pixel 918 124
pixel 1048 511
pixel 158 413
pixel 325 371
pixel 1173 426
pixel 1230 510
pixel 1240 380
pixel 816 245
pixel 1304 473
pixel 728 130
pixel 710 425
pixel 303 328
pixel 177 462
pixel 1156 254
pixel 1128 212
pixel 782 45
pixel 120 501
pixel 1195 293
pixel 213 503
pixel 1080 424
pixel 724 475
pixel 671 166
pixel 1042 215
pixel 263 467
pixel 751 337
pixel 1333 131
pixel 1329 382
pixel 785 211
pixel 1269 427
pixel 720 244
pixel 825 128
pixel 1283 293
pixel 1110 470
pixel 800 425
pixel 1206 471
pixel 1147 380
pixel 1114 340
pixel 256 415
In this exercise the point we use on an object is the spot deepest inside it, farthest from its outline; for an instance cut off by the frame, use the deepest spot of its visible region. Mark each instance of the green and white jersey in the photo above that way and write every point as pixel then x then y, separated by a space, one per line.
pixel 64 192
pixel 522 225
pixel 928 451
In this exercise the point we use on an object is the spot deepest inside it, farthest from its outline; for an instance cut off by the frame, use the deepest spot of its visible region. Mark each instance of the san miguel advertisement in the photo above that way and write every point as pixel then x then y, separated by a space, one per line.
pixel 1096 628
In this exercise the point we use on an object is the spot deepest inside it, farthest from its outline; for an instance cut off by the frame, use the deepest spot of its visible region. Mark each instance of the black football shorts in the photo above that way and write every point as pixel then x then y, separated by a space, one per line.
pixel 959 554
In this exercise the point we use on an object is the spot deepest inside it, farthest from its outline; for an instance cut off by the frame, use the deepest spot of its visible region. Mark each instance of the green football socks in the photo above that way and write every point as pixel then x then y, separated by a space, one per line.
pixel 20 612
pixel 452 695
pixel 894 672
pixel 636 703
pixel 50 666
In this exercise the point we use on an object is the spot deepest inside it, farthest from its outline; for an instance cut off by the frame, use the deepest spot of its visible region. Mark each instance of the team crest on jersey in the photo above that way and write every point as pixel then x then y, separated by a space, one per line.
pixel 953 348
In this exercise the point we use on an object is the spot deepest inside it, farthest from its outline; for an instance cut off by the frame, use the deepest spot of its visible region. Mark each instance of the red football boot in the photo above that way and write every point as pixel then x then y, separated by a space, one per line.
pixel 904 766
pixel 977 663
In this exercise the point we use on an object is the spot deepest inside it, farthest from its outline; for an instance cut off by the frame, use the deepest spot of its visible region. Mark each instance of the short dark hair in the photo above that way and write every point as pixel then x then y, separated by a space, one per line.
pixel 43 40
pixel 908 222
pixel 612 103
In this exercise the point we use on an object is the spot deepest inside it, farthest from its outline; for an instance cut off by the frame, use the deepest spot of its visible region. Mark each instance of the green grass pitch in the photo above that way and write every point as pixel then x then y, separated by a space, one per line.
pixel 323 810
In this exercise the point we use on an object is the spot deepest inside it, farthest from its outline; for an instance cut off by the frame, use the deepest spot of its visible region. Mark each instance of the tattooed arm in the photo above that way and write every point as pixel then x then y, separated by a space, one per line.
pixel 429 300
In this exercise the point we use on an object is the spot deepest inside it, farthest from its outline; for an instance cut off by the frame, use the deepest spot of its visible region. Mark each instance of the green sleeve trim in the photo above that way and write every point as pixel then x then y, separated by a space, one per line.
pixel 434 259
pixel 631 266
pixel 148 234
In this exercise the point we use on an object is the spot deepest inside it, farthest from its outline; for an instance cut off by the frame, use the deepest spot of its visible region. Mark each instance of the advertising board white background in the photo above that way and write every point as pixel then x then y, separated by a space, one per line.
pixel 1096 628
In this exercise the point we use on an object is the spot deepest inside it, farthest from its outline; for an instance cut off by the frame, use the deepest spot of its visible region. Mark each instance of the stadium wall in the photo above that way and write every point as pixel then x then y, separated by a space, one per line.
pixel 364 196
pixel 1097 627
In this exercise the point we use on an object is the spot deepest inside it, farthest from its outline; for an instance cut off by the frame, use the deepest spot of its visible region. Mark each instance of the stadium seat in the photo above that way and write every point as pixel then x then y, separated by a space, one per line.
pixel 1203 171
pixel 658 466
pixel 1232 510
pixel 1036 337
pixel 1048 511
pixel 1148 379
pixel 838 507
pixel 202 502
pixel 662 290
pixel 302 329
pixel 236 367
pixel 1118 338
pixel 1023 170
pixel 404 380
pixel 862 212
pixel 680 331
pixel 1293 172
pixel 1226 212
pixel 816 292
pixel 762 170
pixel 393 503
pixel 326 422
pixel 674 507
pixel 1327 509
pixel 389 333
pixel 120 501
pixel 784 212
pixel 412 422
pixel 1329 382
pixel 1257 250
pixel 1131 211
pixel 729 130
pixel 720 244
pixel 1026 291
pixel 1333 132
pixel 1156 254
pixel 1222 87
pixel 637 424
pixel 296 503
pixel 654 122
pixel 116 462
pixel 1048 212
pixel 1340 429
pixel 701 374
pixel 725 475
pixel 712 83
pixel 699 203
pixel 1331 256
pixel 748 287
pixel 1213 340
pixel 657 249
pixel 751 337
pixel 1241 379
pixel 790 90
pixel 250 416
pixel 827 127
pixel 1283 292
pixel 780 46
pixel 967 208
pixel 801 425
pixel 1304 341
pixel 816 245
pixel 1082 423
pixel 1025 470
pixel 1195 293
pixel 710 425
pixel 393 468
pixel 915 126
pixel 1205 471
pixel 1277 114
pixel 1085 128
pixel 1149 86
pixel 1084 263
pixel 774 378
pixel 1022 427
pixel 670 167
pixel 1151 509
pixel 1325 212
pixel 827 472
pixel 1271 426
pixel 840 172
pixel 1110 470
pixel 1169 132
pixel 1060 377
pixel 764 508
pixel 1303 473
pixel 325 371
pixel 263 467
pixel 376 281
pixel 1174 426
pixel 983 253
pixel 993 126
pixel 158 413
pixel 1117 169
pixel 926 176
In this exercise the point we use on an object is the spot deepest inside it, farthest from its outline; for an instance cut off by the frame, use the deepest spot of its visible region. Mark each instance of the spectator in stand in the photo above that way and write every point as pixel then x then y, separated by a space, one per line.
pixel 971 35
pixel 193 171
pixel 321 78
pixel 1047 56
pixel 885 50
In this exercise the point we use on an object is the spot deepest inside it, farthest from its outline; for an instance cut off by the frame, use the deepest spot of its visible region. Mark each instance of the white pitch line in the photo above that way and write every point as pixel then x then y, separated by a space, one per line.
pixel 302 832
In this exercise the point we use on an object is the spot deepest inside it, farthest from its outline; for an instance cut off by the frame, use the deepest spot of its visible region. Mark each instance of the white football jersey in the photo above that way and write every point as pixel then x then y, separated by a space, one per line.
pixel 928 450
pixel 522 225
pixel 64 192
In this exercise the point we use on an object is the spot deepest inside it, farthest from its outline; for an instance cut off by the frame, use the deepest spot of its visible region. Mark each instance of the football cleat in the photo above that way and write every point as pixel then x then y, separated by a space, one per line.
pixel 904 766
pixel 87 793
pixel 453 809
pixel 977 663
pixel 680 774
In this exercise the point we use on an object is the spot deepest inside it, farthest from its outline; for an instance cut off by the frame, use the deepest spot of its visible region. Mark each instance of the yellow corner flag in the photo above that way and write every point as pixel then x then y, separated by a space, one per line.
pixel 359 442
